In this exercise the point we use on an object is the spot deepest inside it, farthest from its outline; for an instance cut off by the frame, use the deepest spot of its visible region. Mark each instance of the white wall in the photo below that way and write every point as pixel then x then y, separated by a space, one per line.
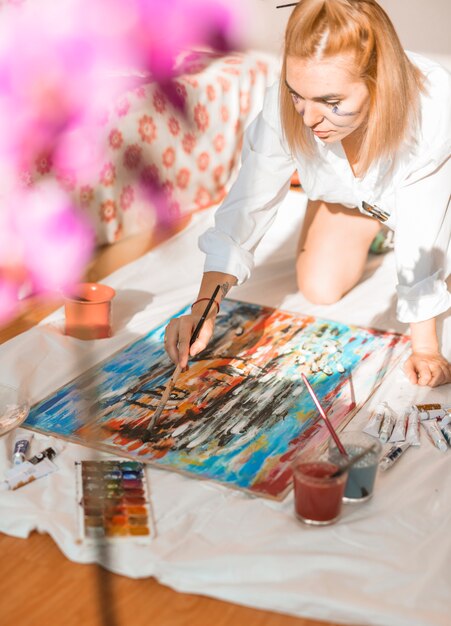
pixel 423 25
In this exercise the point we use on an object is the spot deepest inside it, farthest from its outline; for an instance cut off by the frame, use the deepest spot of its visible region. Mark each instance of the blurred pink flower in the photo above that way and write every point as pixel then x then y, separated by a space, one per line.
pixel 9 299
pixel 44 241
pixel 63 65
pixel 58 240
pixel 45 74
pixel 163 29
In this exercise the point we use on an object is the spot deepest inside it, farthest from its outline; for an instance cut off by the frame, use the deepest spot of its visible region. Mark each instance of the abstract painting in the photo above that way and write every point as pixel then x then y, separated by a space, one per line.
pixel 241 412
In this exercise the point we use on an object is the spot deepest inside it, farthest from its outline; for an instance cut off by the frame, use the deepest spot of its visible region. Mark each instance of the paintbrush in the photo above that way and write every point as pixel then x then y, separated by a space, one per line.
pixel 352 461
pixel 178 370
pixel 324 416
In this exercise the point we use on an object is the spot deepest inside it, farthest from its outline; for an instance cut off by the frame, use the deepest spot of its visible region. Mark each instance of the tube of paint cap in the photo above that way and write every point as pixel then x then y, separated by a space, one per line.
pixel 446 432
pixel 399 430
pixel 48 453
pixel 393 455
pixel 25 473
pixel 431 411
pixel 434 406
pixel 376 419
pixel 435 434
pixel 413 427
pixel 21 444
pixel 387 426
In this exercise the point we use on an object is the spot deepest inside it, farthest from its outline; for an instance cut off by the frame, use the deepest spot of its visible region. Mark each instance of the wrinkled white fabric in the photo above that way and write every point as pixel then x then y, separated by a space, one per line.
pixel 414 192
pixel 386 563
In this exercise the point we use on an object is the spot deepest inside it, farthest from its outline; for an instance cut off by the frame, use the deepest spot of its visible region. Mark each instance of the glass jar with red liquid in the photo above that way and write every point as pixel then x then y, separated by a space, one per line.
pixel 317 495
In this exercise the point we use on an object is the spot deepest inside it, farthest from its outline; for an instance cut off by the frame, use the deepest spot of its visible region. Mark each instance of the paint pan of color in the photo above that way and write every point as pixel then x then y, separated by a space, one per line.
pixel 113 502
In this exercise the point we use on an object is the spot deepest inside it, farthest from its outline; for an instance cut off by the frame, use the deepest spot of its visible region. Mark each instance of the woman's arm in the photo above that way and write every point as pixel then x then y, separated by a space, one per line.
pixel 179 330
pixel 240 222
pixel 422 244
pixel 254 199
pixel 426 366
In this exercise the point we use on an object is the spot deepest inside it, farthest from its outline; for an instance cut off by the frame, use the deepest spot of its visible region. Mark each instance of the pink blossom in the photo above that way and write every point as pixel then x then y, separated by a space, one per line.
pixel 34 66
pixel 178 24
pixel 46 243
pixel 55 64
pixel 62 68
pixel 9 298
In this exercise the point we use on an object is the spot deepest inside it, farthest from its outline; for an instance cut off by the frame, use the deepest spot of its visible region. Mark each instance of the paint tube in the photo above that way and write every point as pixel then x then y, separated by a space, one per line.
pixel 446 432
pixel 435 434
pixel 393 455
pixel 413 427
pixel 446 419
pixel 21 444
pixel 432 415
pixel 429 407
pixel 399 430
pixel 387 426
pixel 48 453
pixel 376 419
pixel 25 473
pixel 431 411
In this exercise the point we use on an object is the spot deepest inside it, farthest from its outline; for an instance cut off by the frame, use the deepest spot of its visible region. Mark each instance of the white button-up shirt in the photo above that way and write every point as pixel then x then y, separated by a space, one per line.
pixel 414 192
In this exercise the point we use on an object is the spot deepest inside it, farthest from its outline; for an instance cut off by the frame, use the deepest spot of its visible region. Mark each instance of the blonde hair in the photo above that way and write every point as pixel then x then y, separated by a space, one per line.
pixel 319 29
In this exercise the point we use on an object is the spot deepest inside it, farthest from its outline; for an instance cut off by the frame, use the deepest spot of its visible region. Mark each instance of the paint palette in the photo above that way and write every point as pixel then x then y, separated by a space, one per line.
pixel 113 501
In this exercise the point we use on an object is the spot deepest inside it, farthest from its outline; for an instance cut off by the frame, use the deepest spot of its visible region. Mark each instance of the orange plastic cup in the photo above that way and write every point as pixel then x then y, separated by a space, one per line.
pixel 88 311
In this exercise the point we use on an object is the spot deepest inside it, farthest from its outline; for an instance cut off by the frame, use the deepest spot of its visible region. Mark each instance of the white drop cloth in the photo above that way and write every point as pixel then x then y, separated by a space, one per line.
pixel 386 563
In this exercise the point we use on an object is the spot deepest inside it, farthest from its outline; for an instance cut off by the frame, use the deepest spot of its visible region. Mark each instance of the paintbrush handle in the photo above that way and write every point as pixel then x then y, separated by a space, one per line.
pixel 355 459
pixel 170 384
pixel 203 317
pixel 324 416
pixel 165 397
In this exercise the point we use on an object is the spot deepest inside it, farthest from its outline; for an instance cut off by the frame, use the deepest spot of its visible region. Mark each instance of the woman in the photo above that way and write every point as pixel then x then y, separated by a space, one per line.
pixel 368 128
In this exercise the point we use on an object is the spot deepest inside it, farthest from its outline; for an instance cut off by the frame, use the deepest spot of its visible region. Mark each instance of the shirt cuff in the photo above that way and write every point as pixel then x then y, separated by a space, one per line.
pixel 424 300
pixel 225 255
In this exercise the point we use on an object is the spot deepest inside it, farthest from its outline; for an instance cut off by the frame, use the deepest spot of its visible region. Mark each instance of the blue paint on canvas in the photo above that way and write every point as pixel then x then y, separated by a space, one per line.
pixel 241 411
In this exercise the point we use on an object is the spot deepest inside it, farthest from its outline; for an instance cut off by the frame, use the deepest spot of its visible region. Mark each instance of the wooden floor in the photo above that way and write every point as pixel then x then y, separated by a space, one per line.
pixel 39 586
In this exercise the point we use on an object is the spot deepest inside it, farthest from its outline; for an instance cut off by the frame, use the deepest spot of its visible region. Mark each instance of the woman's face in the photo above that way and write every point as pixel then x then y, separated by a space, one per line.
pixel 332 101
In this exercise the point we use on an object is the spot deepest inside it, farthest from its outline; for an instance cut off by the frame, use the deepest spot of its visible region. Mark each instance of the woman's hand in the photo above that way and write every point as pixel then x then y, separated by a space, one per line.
pixel 179 332
pixel 427 369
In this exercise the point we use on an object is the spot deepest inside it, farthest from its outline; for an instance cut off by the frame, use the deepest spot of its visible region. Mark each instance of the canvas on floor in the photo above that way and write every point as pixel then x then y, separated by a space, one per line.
pixel 241 411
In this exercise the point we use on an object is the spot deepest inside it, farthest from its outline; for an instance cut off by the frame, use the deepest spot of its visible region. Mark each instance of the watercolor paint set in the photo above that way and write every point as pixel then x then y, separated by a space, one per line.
pixel 113 502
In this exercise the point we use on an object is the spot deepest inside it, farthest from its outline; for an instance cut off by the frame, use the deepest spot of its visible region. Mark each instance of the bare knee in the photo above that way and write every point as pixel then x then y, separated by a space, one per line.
pixel 319 289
